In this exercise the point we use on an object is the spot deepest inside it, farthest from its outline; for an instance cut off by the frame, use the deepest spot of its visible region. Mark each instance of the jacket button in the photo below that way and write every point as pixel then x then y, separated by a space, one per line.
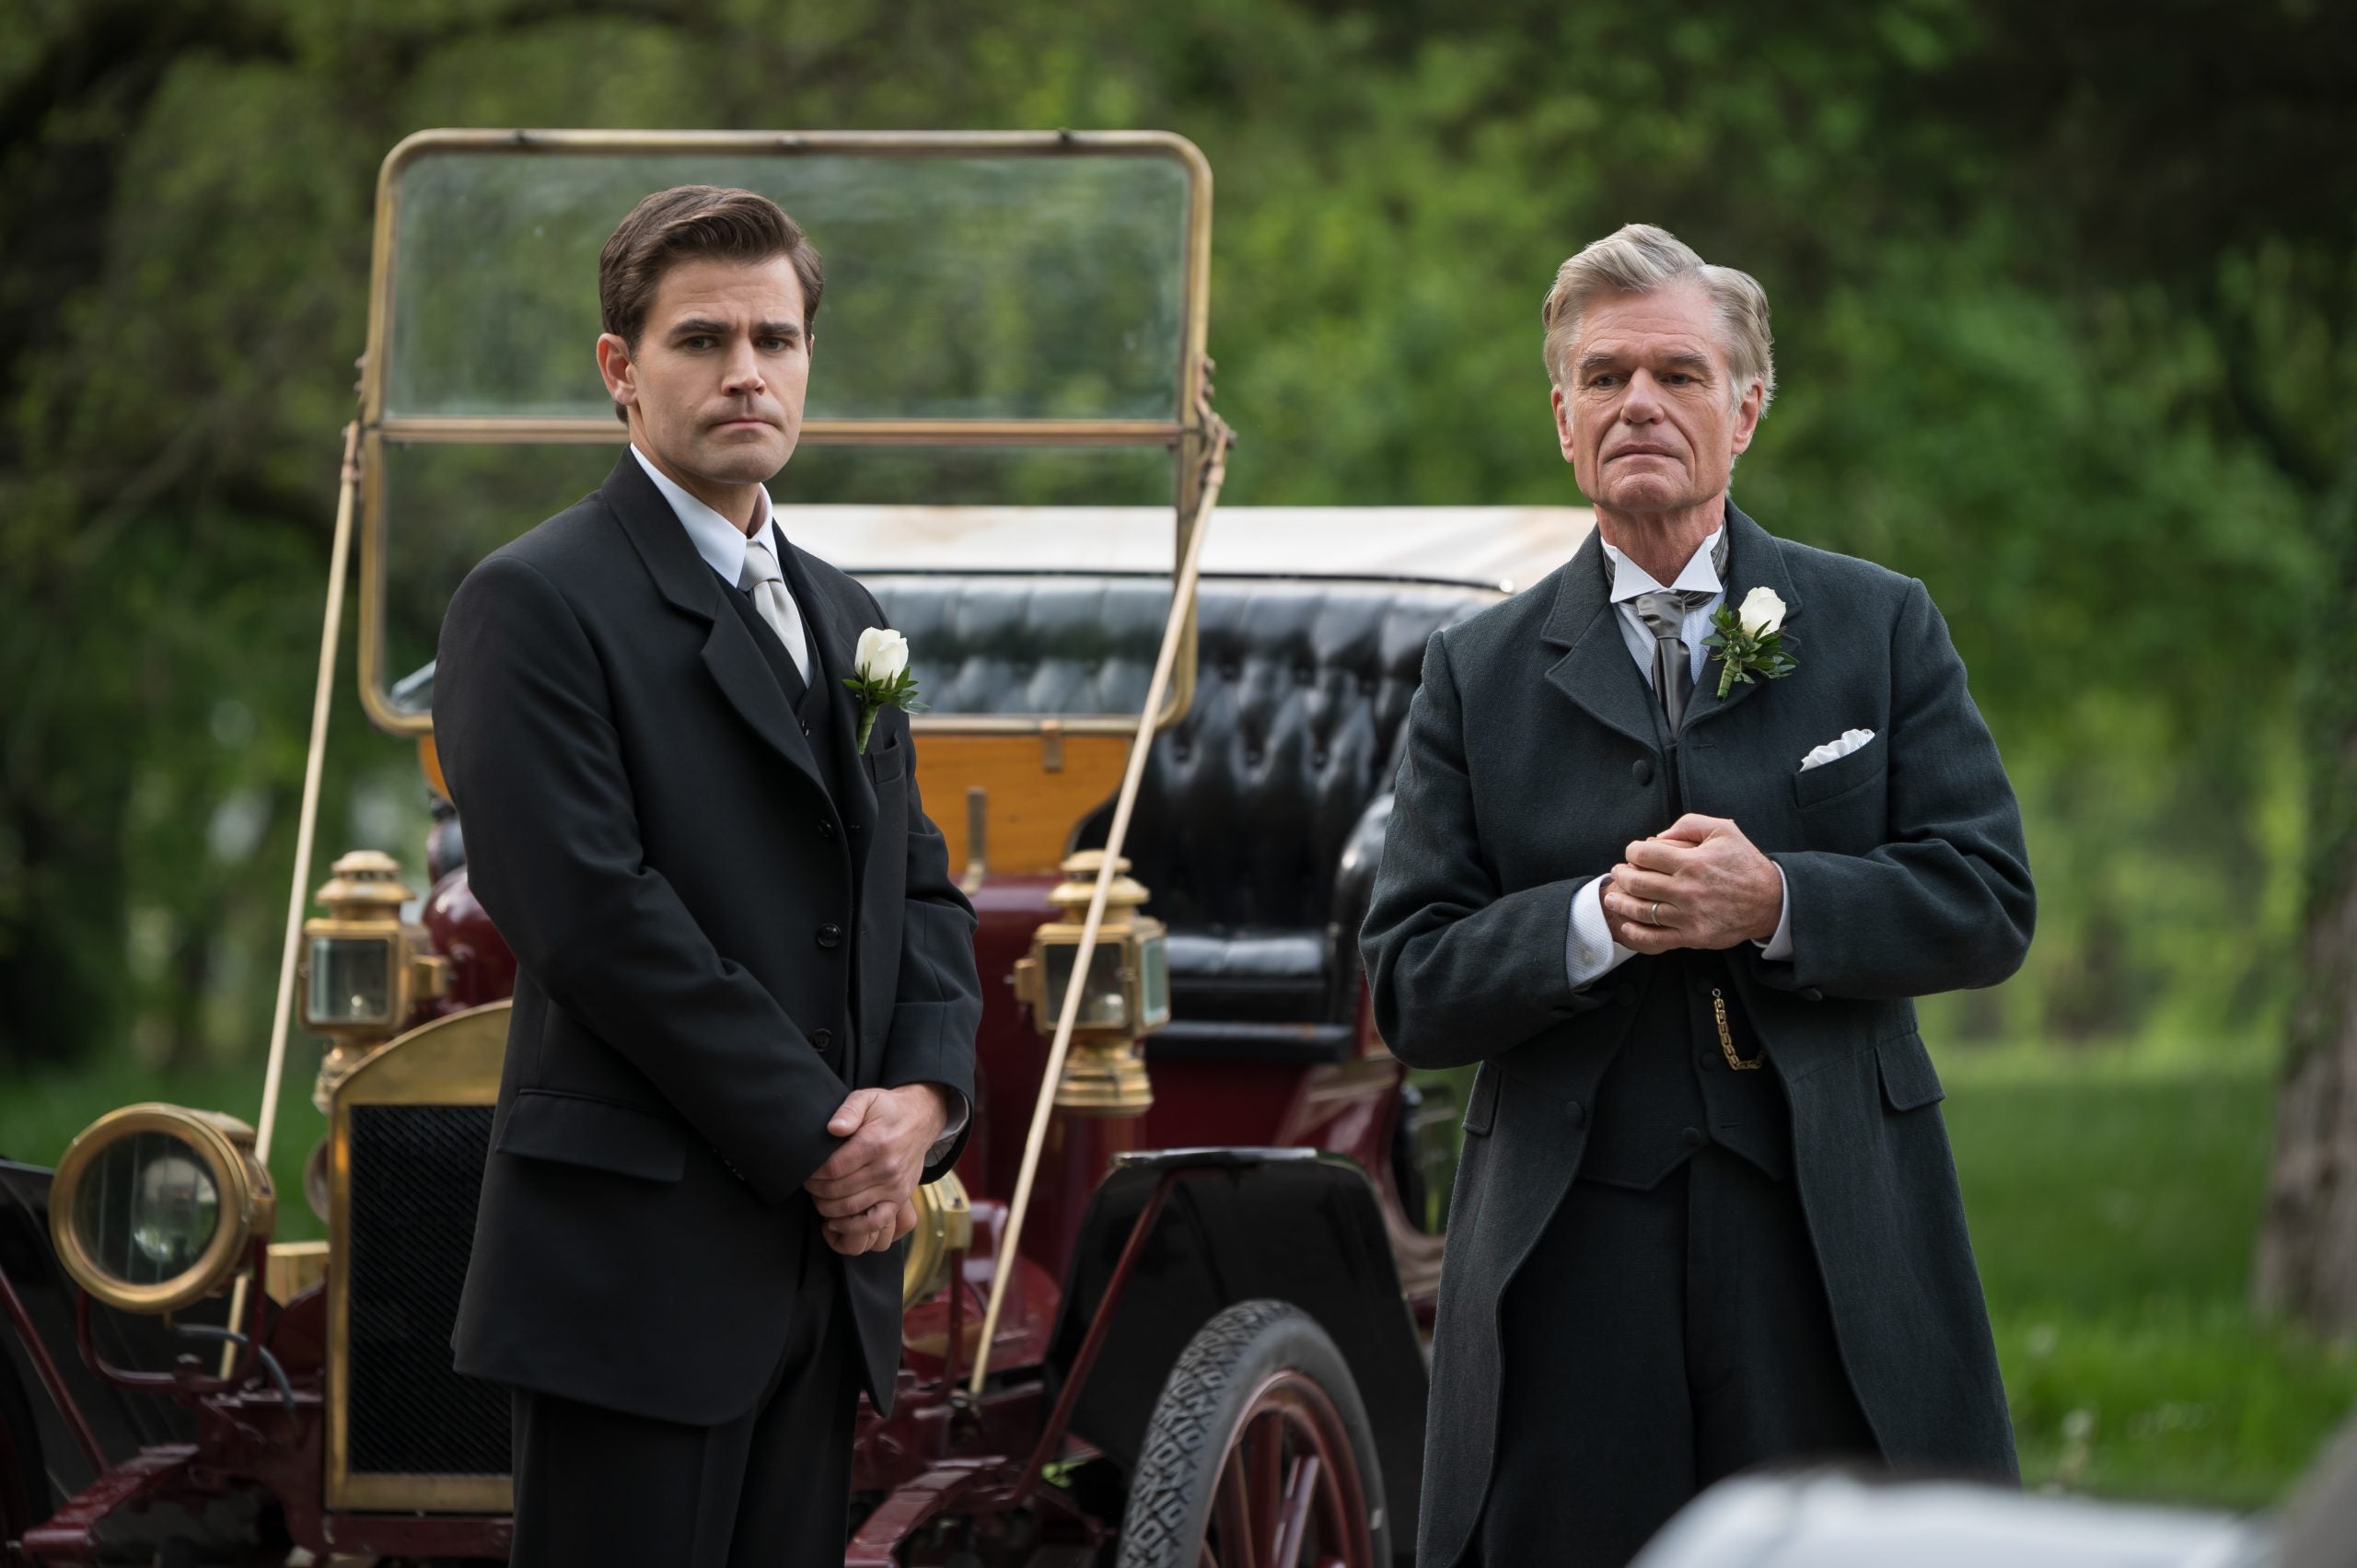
pixel 830 934
pixel 1694 1137
pixel 1642 769
pixel 1576 1111
pixel 805 729
pixel 822 1039
pixel 826 829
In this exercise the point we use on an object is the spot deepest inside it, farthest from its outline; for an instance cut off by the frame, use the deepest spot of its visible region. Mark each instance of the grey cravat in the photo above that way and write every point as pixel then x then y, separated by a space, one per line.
pixel 766 582
pixel 1664 611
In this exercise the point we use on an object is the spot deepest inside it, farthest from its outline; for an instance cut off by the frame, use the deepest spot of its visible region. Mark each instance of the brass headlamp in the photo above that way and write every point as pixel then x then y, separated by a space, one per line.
pixel 944 1226
pixel 1125 997
pixel 362 970
pixel 154 1207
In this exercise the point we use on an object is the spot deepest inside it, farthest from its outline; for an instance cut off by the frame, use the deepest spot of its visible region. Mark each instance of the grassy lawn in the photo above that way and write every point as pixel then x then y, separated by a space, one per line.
pixel 2113 1201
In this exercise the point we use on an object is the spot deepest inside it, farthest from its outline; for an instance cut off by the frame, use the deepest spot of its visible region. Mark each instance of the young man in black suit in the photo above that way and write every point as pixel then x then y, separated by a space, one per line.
pixel 746 995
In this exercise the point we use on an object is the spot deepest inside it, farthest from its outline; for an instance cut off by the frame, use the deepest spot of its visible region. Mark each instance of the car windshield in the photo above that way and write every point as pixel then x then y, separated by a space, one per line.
pixel 1008 319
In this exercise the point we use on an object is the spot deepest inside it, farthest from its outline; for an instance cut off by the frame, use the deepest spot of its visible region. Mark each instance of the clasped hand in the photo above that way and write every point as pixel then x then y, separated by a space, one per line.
pixel 866 1192
pixel 1712 888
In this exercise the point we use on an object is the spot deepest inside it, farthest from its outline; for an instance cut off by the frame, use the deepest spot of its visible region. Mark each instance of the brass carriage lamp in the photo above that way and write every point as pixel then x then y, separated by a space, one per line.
pixel 362 970
pixel 1125 997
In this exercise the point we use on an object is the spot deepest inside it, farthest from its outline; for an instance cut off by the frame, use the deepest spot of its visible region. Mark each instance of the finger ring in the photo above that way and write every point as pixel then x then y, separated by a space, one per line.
pixel 1654 919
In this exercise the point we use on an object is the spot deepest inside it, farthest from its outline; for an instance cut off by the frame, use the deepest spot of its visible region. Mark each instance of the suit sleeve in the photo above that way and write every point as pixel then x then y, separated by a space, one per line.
pixel 534 762
pixel 939 1007
pixel 1459 970
pixel 1944 903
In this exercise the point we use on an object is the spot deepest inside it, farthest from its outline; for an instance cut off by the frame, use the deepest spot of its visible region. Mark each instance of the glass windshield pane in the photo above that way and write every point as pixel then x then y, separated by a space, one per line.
pixel 959 286
pixel 447 506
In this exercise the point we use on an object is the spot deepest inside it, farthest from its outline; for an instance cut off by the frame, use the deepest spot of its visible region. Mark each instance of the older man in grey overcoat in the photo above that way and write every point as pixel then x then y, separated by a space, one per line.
pixel 1674 891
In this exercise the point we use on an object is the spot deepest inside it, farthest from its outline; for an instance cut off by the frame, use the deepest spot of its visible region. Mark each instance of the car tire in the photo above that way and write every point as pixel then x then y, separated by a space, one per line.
pixel 1260 1373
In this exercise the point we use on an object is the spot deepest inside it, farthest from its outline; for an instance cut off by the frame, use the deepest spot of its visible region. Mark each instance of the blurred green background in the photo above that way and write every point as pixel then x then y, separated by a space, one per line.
pixel 2063 299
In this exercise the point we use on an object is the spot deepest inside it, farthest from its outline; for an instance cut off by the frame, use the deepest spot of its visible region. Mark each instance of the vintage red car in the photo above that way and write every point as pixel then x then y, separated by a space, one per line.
pixel 1167 1311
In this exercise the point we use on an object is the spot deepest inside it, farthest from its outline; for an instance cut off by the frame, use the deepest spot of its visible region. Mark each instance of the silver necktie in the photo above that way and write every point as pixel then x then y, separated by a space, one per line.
pixel 1664 612
pixel 766 582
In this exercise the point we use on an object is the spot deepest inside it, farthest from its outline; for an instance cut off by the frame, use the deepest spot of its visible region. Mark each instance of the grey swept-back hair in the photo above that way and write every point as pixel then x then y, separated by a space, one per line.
pixel 1640 258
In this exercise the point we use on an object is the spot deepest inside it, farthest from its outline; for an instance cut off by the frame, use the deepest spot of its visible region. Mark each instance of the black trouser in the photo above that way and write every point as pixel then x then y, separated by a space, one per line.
pixel 1655 1342
pixel 773 1487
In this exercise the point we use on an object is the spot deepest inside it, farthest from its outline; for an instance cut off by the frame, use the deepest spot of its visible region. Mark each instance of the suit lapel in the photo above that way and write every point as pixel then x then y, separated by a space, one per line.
pixel 1596 674
pixel 1754 560
pixel 730 655
pixel 834 636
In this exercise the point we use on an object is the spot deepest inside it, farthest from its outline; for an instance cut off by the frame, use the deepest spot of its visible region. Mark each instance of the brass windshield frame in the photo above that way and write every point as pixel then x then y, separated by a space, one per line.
pixel 1184 437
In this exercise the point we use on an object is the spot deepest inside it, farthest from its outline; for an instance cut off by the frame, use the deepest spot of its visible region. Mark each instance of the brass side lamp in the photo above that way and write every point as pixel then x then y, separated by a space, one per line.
pixel 362 972
pixel 1125 997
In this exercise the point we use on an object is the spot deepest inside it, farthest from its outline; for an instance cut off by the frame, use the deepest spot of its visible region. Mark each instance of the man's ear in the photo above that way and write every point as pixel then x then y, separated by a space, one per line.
pixel 621 373
pixel 1747 416
pixel 1562 422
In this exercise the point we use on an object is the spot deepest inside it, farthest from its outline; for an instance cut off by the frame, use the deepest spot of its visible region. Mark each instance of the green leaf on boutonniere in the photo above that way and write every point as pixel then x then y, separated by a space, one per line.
pixel 1750 645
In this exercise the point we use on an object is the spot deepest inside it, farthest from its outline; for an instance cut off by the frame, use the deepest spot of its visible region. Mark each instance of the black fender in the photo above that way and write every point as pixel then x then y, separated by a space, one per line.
pixel 1242 1225
pixel 122 1422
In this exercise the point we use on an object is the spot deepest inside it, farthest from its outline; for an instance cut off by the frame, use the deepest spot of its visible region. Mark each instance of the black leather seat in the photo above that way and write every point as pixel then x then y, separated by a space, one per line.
pixel 1262 812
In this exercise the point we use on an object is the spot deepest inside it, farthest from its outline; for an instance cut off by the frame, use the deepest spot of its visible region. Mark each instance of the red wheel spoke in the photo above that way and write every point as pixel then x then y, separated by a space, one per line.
pixel 1292 1527
pixel 1264 1458
pixel 1231 1514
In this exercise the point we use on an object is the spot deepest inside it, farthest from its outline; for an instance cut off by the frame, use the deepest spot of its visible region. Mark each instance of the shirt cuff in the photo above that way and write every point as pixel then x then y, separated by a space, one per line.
pixel 1777 949
pixel 1589 952
pixel 959 1114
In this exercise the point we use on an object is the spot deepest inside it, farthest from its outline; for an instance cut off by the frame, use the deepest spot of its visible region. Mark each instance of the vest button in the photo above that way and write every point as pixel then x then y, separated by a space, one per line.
pixel 805 729
pixel 830 934
pixel 1642 769
pixel 1694 1137
pixel 1576 1111
pixel 822 1039
pixel 826 829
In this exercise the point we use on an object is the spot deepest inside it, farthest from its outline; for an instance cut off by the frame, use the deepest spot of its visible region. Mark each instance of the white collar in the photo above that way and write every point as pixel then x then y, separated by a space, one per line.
pixel 718 541
pixel 1629 579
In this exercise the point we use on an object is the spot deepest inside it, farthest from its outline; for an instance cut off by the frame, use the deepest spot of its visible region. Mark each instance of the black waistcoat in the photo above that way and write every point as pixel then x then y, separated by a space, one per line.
pixel 808 699
pixel 1669 1088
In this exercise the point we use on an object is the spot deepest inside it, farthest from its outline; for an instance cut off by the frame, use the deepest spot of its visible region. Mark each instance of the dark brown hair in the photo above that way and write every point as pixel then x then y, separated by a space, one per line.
pixel 697 222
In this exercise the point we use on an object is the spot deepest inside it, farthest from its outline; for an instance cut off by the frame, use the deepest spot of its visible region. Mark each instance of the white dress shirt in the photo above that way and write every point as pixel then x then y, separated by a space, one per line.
pixel 721 545
pixel 1589 951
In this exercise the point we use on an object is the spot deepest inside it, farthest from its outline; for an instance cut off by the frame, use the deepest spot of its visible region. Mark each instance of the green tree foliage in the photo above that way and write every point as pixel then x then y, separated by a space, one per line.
pixel 2063 299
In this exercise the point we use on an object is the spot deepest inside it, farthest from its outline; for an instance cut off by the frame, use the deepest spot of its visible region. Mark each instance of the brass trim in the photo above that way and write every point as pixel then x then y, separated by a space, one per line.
pixel 428 1495
pixel 1186 437
pixel 293 1267
pixel 452 1061
pixel 248 1204
pixel 501 430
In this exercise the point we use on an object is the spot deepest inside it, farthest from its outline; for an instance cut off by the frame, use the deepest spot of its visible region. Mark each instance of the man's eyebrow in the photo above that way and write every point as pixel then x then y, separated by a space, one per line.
pixel 704 326
pixel 1599 360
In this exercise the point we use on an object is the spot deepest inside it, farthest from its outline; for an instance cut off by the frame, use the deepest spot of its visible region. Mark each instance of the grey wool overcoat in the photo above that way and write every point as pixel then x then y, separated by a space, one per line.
pixel 1532 759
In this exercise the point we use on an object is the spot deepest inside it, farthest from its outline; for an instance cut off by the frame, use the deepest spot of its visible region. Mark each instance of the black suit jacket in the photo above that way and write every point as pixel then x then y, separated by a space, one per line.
pixel 687 902
pixel 1532 759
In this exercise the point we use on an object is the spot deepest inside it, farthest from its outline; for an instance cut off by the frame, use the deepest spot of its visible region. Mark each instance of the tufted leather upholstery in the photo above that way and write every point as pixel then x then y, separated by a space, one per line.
pixel 1283 762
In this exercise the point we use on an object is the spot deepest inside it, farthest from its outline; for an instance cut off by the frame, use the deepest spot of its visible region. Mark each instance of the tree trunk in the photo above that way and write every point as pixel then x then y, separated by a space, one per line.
pixel 2306 1267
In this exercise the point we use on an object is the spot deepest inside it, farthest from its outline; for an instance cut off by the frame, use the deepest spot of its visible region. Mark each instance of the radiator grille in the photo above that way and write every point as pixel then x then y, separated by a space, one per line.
pixel 416 1173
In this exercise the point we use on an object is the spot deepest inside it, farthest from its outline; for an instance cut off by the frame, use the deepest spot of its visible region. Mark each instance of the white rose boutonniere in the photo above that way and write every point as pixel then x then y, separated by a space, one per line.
pixel 881 679
pixel 1750 641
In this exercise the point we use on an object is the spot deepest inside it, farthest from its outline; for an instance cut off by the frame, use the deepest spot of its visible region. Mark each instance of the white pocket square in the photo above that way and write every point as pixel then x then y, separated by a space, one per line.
pixel 1834 751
